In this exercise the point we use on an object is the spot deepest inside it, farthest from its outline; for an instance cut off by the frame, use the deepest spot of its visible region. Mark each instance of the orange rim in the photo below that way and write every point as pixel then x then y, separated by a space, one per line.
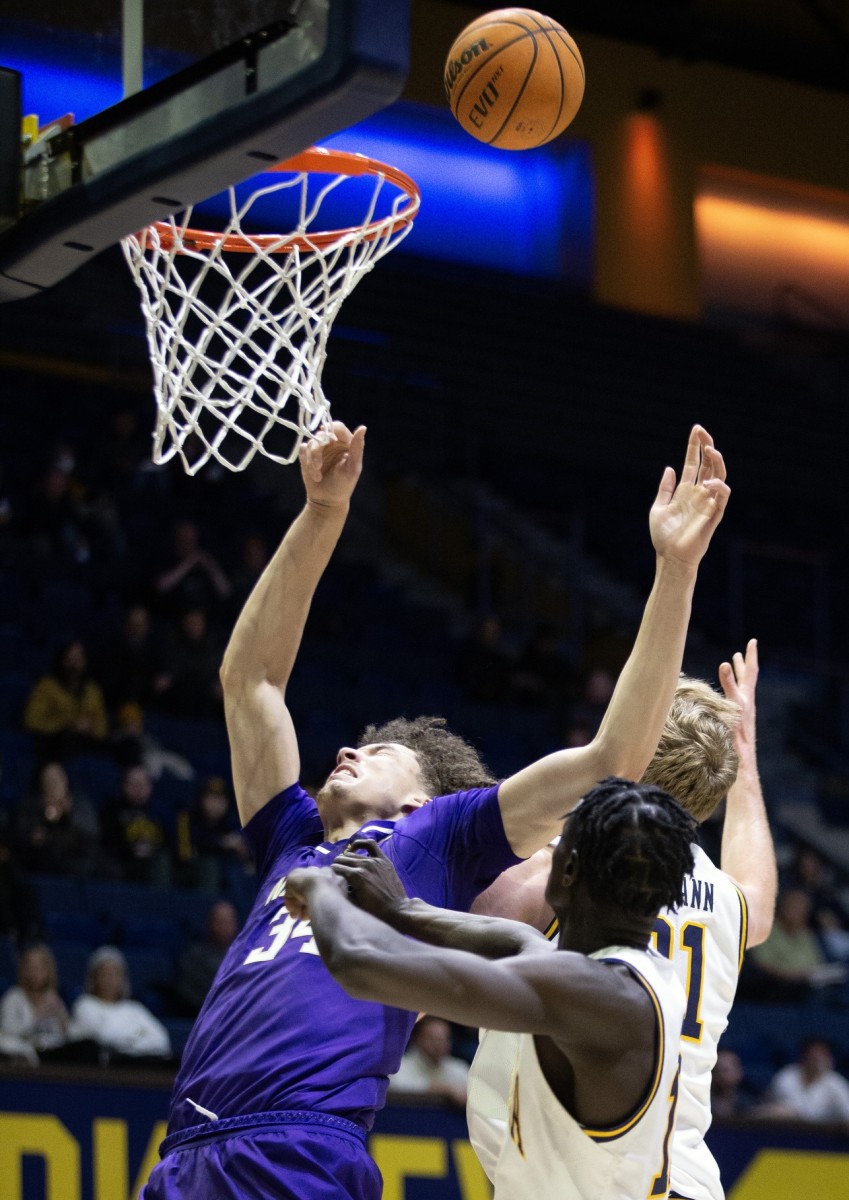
pixel 316 160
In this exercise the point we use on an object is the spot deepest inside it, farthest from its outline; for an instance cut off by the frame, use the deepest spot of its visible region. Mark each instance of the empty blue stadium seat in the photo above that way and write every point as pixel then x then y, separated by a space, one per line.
pixel 151 933
pixel 189 907
pixel 60 894
pixel 12 597
pixel 8 961
pixel 71 960
pixel 64 610
pixel 15 687
pixel 179 1029
pixel 76 928
pixel 95 775
pixel 147 968
pixel 16 651
pixel 133 902
pixel 188 736
pixel 18 766
pixel 113 901
pixel 171 793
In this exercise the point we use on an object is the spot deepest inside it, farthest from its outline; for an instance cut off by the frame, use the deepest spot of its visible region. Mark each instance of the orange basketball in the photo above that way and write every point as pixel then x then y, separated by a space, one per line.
pixel 514 79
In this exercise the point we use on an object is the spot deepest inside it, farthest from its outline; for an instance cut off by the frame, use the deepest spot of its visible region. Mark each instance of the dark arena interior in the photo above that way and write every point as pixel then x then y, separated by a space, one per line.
pixel 527 361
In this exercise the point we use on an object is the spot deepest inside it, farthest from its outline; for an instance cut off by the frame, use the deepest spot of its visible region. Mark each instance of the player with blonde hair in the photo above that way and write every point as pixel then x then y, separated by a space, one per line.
pixel 706 751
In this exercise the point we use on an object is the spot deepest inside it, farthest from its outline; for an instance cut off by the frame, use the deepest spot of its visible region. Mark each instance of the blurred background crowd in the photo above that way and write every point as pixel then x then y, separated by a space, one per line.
pixel 123 876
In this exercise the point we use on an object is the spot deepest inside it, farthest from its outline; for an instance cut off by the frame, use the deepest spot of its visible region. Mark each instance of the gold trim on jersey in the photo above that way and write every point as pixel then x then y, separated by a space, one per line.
pixel 744 927
pixel 551 933
pixel 607 1135
pixel 515 1118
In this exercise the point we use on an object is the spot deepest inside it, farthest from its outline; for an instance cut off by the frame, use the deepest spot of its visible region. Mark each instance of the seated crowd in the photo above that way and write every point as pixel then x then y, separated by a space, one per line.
pixel 117 635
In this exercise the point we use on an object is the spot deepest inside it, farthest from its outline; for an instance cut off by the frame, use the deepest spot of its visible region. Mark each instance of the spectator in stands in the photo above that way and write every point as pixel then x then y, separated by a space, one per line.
pixel 134 836
pixel 834 935
pixel 210 842
pixel 201 959
pixel 20 911
pixel 55 520
pixel 132 660
pixel 484 666
pixel 810 873
pixel 729 1096
pixel 58 832
pixel 810 1089
pixel 33 1016
pixel 193 578
pixel 65 710
pixel 791 964
pixel 122 1027
pixel 428 1066
pixel 132 744
pixel 191 687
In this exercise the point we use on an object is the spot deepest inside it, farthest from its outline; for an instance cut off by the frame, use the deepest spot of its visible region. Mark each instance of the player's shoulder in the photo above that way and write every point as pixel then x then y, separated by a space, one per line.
pixel 449 805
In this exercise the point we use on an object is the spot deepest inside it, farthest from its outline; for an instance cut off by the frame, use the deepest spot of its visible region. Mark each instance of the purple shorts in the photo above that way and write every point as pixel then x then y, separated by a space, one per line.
pixel 285 1155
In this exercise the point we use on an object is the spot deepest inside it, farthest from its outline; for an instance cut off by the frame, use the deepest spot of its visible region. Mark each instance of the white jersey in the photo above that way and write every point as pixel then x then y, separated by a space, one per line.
pixel 530 1146
pixel 705 939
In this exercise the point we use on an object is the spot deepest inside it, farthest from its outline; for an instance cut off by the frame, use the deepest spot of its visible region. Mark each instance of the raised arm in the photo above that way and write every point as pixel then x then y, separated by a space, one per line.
pixel 374 886
pixel 682 521
pixel 748 853
pixel 265 640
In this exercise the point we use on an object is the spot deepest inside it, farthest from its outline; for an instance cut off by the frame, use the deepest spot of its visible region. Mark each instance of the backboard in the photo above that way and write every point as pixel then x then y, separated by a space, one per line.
pixel 171 103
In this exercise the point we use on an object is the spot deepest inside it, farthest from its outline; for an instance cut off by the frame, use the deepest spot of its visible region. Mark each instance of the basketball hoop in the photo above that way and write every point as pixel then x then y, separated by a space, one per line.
pixel 237 322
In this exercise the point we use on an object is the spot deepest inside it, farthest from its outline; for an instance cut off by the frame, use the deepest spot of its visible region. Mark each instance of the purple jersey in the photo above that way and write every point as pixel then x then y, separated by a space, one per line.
pixel 276 1031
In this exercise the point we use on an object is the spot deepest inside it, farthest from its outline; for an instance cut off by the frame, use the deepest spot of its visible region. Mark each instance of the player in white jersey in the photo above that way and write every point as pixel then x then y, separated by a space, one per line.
pixel 708 748
pixel 595 1021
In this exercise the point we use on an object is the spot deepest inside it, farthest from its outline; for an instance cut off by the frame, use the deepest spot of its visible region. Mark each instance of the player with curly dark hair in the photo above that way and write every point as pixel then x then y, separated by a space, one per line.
pixel 280 1060
pixel 595 1065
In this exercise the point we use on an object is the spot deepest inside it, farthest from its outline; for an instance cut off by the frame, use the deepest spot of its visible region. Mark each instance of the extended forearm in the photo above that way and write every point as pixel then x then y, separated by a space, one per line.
pixel 748 852
pixel 633 723
pixel 371 961
pixel 268 632
pixel 490 937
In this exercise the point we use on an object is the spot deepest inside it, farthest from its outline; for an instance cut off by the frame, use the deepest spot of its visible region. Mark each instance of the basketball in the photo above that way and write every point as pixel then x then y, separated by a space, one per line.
pixel 514 79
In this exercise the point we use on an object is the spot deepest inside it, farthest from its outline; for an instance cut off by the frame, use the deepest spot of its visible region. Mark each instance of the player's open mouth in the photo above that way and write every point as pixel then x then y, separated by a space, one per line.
pixel 347 768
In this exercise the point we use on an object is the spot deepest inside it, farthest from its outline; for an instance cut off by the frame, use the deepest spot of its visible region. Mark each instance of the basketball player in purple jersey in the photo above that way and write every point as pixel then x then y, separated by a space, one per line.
pixel 589 1032
pixel 283 1072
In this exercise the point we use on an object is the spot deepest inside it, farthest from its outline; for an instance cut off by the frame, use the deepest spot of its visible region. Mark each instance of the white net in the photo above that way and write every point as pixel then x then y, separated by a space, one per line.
pixel 238 322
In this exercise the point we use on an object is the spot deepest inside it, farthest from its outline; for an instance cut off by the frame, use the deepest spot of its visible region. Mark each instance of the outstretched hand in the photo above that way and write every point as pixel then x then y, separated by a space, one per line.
pixel 684 517
pixel 739 680
pixel 371 879
pixel 331 465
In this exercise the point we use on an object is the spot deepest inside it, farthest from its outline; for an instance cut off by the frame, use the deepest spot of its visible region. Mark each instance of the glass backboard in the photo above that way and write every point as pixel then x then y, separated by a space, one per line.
pixel 171 104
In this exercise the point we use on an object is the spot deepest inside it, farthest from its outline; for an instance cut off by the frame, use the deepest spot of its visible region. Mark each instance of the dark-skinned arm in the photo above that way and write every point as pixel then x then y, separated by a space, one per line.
pixel 566 996
pixel 374 886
